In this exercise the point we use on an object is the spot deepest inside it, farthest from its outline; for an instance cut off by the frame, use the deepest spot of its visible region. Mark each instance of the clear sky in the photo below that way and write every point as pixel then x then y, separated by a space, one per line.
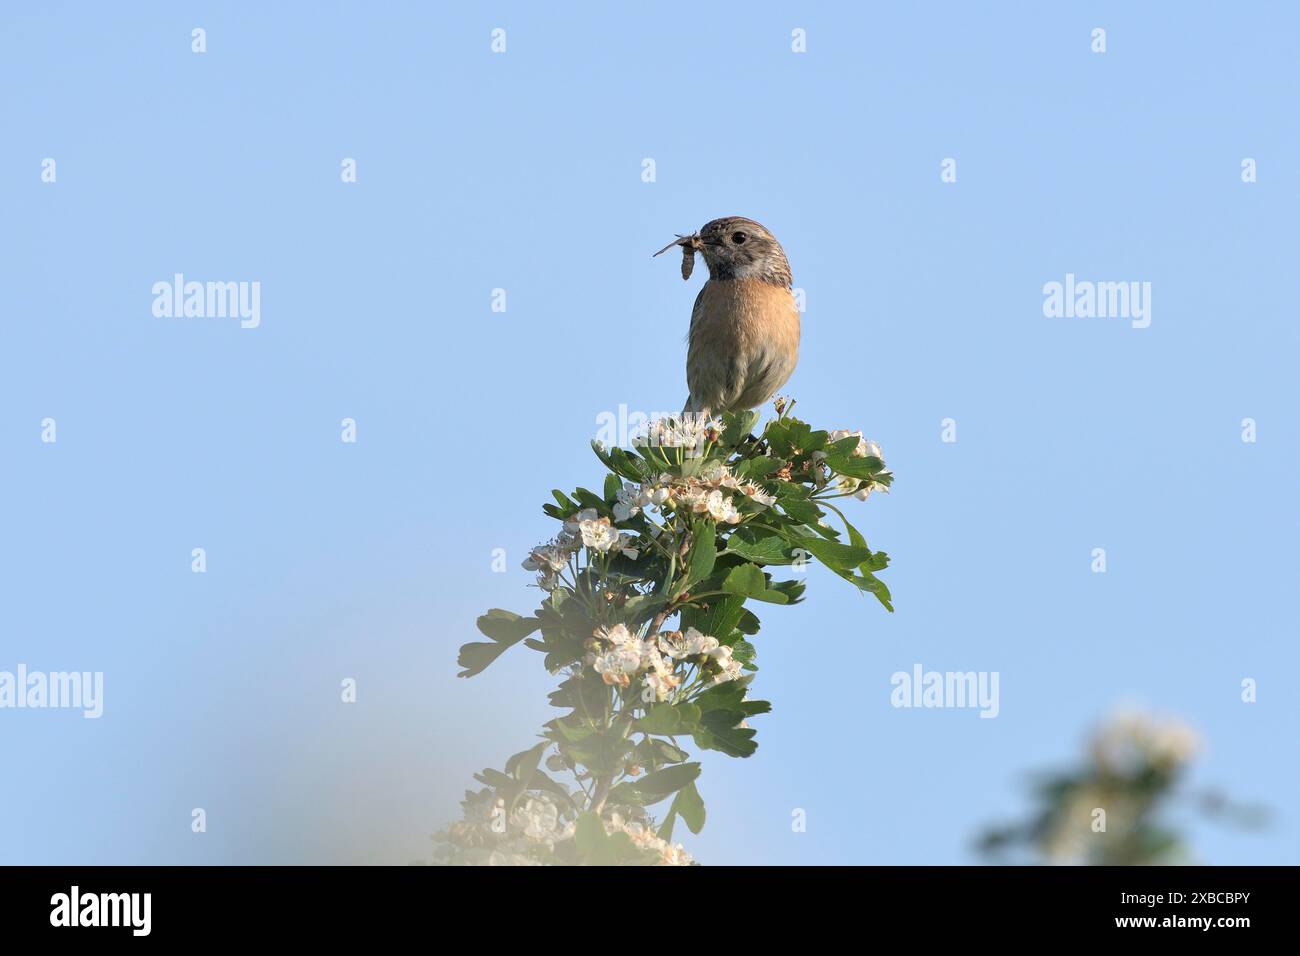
pixel 522 171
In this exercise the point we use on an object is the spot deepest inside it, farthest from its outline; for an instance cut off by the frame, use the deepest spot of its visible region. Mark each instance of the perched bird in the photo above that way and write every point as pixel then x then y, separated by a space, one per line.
pixel 744 337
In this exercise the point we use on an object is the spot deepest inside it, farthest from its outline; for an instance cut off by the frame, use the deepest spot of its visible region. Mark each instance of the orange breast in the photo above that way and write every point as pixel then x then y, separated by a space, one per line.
pixel 745 314
pixel 744 343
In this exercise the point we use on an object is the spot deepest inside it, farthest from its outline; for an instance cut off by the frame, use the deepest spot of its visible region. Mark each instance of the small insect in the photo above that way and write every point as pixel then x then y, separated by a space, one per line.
pixel 688 261
pixel 688 244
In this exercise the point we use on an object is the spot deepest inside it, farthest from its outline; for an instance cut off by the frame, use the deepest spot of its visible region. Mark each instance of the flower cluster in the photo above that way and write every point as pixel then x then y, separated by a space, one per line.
pixel 537 832
pixel 687 431
pixel 694 646
pixel 633 499
pixel 619 657
pixel 1110 810
pixel 705 493
pixel 539 820
pixel 1133 741
pixel 494 834
pixel 549 559
pixel 645 838
pixel 586 529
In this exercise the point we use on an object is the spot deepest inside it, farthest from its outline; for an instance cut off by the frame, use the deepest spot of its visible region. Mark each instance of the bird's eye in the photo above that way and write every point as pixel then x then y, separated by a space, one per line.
pixel 738 237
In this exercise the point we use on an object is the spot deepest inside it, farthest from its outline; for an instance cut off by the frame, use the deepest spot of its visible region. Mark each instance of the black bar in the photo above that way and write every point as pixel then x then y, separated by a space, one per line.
pixel 238 904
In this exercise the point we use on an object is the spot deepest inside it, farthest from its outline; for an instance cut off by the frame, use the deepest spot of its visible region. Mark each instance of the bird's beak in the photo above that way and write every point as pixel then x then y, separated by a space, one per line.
pixel 690 242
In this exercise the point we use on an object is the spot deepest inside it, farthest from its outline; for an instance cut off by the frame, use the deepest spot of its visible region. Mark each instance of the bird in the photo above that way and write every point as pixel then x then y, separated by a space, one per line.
pixel 743 342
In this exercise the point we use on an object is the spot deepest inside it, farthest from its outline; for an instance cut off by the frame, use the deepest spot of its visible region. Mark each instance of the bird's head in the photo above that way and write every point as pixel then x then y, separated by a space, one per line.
pixel 738 248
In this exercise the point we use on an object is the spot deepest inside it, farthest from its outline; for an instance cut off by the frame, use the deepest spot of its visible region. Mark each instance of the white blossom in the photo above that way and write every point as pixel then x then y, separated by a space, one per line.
pixel 632 499
pixel 573 524
pixel 721 507
pixel 538 818
pixel 618 665
pixel 674 433
pixel 728 667
pixel 756 493
pixel 618 635
pixel 599 534
pixel 550 557
pixel 658 687
pixel 624 545
pixel 642 836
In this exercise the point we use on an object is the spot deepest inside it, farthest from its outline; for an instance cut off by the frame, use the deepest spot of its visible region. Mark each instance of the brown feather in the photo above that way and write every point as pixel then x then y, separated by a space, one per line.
pixel 744 344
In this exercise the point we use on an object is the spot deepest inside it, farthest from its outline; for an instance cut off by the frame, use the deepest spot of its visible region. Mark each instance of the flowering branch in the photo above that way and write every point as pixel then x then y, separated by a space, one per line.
pixel 1110 810
pixel 687 524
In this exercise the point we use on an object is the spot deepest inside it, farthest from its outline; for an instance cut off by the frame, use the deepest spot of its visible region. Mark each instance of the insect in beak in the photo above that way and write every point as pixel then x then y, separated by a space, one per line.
pixel 689 244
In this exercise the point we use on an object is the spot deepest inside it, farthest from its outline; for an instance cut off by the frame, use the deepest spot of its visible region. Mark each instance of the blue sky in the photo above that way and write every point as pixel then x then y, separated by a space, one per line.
pixel 522 171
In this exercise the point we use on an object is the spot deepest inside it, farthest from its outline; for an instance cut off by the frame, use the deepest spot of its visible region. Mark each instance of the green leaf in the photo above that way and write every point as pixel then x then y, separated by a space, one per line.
pixel 769 548
pixel 602 752
pixel 855 536
pixel 724 707
pixel 744 652
pixel 792 491
pixel 505 628
pixel 777 435
pixel 805 512
pixel 759 467
pixel 600 452
pixel 571 732
pixel 749 580
pixel 639 608
pixel 589 499
pixel 721 617
pixel 523 765
pixel 629 466
pixel 843 446
pixel 793 590
pixel 730 740
pixel 736 426
pixel 661 784
pixel 669 719
pixel 666 751
pixel 704 551
pixel 748 622
pixel 852 467
pixel 728 695
pixel 837 556
pixel 653 752
pixel 689 806
pixel 800 436
pixel 495 778
pixel 866 581
pixel 612 487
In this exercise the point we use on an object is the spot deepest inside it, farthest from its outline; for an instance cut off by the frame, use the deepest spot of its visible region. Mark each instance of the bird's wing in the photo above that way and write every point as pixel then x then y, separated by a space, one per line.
pixel 710 364
pixel 696 311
